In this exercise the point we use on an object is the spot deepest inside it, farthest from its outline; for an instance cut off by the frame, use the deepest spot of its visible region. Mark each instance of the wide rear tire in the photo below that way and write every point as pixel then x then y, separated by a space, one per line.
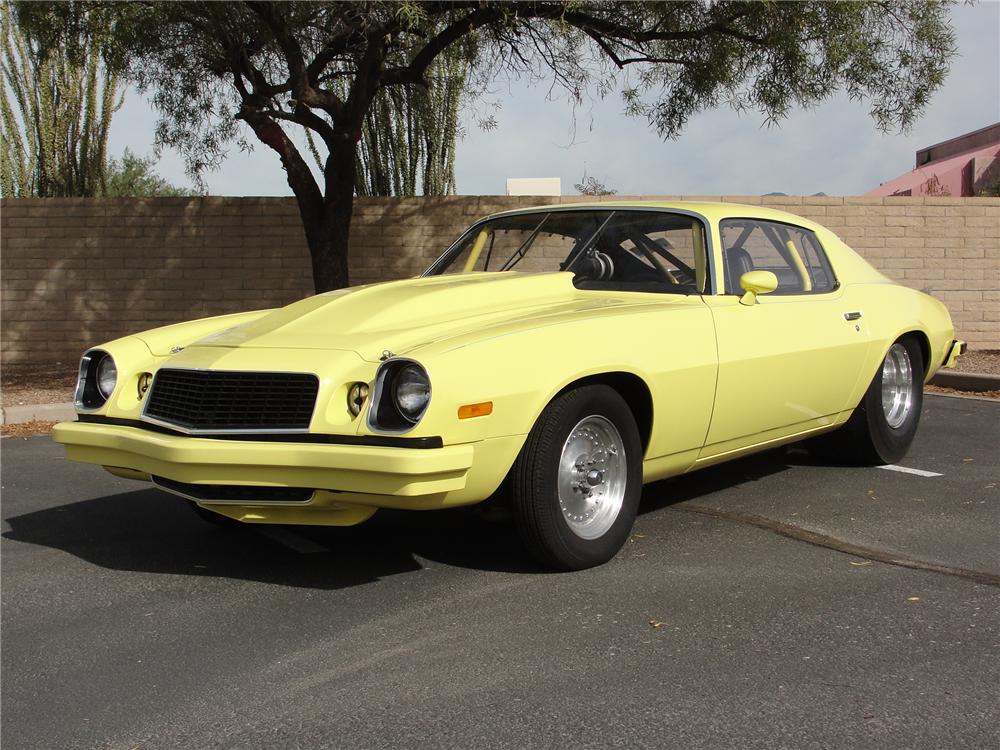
pixel 576 484
pixel 882 428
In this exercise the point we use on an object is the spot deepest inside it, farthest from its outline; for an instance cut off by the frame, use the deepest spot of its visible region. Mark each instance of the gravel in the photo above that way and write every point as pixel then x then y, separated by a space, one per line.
pixel 983 362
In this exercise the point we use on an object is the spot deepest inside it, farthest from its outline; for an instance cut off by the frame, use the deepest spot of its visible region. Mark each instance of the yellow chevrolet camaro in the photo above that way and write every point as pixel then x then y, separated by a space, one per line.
pixel 553 359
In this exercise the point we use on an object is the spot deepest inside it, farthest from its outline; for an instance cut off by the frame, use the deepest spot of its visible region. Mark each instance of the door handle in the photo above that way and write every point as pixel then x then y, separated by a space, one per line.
pixel 852 315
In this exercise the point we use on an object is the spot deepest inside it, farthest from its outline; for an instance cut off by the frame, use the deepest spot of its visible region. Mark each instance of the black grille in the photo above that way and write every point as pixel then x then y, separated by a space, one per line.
pixel 224 400
pixel 236 493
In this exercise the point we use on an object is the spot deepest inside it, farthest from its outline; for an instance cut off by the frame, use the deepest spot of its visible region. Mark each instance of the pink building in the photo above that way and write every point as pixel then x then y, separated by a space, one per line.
pixel 966 165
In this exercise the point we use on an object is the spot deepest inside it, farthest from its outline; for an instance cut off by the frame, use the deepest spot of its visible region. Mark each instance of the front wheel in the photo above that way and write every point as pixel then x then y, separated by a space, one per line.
pixel 577 482
pixel 882 428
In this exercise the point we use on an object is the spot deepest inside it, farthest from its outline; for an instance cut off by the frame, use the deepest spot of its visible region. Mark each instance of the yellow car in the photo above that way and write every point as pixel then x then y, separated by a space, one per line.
pixel 553 358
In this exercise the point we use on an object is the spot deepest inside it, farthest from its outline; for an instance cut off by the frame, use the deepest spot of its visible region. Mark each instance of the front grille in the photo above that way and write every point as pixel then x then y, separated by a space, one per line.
pixel 220 400
pixel 235 493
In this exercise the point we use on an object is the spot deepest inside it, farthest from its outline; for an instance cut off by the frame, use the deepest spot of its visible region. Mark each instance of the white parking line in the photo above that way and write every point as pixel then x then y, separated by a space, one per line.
pixel 907 470
pixel 292 540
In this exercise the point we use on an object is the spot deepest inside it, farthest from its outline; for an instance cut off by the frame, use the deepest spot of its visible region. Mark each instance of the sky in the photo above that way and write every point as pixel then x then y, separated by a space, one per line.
pixel 834 148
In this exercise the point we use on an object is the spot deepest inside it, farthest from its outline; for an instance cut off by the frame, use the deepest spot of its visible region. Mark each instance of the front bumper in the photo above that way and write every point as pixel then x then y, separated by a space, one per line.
pixel 360 473
pixel 957 349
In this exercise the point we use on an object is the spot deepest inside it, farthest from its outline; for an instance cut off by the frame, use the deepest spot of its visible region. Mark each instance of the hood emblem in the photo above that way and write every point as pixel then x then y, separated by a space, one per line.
pixel 176 349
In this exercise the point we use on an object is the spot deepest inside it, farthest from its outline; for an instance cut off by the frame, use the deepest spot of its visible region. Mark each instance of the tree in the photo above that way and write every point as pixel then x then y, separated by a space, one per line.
pixel 408 138
pixel 55 113
pixel 323 66
pixel 132 176
pixel 589 185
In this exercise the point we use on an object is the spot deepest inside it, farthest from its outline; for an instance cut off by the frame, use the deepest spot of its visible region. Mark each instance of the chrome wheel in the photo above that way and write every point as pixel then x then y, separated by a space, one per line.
pixel 897 386
pixel 592 477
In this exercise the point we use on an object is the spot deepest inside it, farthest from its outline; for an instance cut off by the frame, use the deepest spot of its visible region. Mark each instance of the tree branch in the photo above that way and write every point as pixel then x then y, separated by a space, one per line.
pixel 297 70
pixel 413 73
pixel 300 177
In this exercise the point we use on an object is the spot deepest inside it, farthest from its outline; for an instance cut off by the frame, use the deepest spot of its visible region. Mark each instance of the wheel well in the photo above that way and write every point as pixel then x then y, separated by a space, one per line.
pixel 925 347
pixel 633 389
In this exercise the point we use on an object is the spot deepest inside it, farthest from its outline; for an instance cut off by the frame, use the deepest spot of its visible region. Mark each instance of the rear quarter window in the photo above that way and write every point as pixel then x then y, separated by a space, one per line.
pixel 792 253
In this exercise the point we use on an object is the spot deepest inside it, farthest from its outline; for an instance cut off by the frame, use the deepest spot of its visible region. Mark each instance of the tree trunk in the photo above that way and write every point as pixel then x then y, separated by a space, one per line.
pixel 325 218
pixel 329 238
pixel 328 246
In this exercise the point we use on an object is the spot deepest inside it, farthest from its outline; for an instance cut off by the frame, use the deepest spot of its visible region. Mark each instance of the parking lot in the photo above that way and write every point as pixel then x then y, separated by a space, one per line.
pixel 771 602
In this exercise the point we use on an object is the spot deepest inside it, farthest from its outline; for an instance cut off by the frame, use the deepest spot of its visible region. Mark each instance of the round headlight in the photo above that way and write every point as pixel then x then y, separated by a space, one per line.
pixel 411 392
pixel 107 376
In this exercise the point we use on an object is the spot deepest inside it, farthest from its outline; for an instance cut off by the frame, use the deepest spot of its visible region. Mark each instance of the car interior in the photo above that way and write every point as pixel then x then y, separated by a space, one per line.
pixel 791 253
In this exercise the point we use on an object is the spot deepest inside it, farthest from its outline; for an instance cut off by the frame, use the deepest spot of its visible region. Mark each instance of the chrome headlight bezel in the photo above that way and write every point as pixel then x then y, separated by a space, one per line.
pixel 89 395
pixel 386 414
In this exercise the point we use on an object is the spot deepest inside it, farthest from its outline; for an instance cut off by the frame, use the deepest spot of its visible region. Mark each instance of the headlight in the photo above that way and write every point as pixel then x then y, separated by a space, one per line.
pixel 98 377
pixel 401 396
pixel 107 376
pixel 411 392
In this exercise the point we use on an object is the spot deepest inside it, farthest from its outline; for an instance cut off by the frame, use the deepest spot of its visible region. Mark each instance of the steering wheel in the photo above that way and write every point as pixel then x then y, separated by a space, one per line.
pixel 596 266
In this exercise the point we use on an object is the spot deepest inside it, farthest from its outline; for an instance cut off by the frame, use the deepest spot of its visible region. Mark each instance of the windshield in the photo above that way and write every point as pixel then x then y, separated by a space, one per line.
pixel 654 251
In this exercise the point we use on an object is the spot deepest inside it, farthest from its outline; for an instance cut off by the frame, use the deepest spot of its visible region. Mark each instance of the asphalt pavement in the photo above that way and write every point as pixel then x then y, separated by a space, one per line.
pixel 731 618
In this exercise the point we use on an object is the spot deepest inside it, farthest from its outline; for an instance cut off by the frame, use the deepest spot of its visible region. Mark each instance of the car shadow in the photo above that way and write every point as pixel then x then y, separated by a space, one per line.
pixel 705 482
pixel 153 532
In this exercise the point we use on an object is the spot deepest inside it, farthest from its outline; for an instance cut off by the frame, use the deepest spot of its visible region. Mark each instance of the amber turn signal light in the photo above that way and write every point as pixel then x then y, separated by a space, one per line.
pixel 145 380
pixel 475 410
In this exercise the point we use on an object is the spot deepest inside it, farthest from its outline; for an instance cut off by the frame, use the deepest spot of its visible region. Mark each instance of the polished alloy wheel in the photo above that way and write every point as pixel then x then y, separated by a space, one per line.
pixel 592 477
pixel 897 386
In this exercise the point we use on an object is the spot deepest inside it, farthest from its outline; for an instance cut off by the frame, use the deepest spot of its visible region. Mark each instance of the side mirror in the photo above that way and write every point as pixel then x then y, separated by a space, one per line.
pixel 756 282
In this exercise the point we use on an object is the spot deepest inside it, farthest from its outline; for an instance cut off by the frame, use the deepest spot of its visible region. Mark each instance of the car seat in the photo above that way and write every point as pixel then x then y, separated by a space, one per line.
pixel 737 262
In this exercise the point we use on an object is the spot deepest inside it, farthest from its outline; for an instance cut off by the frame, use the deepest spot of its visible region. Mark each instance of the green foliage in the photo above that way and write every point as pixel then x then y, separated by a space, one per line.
pixel 592 186
pixel 55 113
pixel 205 62
pixel 408 139
pixel 132 176
pixel 359 77
pixel 990 187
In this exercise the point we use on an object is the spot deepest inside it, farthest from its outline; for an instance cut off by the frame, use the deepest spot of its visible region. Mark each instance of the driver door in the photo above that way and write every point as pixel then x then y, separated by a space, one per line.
pixel 788 363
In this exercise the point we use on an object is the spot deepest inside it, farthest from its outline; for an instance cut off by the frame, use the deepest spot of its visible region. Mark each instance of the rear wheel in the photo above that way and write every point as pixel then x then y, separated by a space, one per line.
pixel 882 428
pixel 576 484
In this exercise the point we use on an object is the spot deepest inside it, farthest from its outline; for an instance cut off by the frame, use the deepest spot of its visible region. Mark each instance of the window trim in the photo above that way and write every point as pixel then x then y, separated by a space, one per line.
pixel 434 268
pixel 821 254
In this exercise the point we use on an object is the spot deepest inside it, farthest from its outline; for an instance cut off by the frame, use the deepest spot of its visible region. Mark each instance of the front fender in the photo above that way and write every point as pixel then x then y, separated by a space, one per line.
pixel 671 350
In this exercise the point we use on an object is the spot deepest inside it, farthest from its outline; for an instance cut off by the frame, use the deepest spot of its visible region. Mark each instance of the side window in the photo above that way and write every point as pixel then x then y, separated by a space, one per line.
pixel 791 253
pixel 654 244
pixel 532 243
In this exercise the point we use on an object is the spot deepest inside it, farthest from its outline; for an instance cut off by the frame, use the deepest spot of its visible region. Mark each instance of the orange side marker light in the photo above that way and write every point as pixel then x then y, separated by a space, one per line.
pixel 475 410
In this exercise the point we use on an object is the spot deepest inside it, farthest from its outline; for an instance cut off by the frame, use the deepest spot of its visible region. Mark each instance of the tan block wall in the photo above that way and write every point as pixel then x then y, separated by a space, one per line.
pixel 76 272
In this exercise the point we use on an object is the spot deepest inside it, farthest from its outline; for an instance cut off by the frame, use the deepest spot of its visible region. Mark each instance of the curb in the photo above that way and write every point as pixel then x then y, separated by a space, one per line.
pixel 967 381
pixel 40 412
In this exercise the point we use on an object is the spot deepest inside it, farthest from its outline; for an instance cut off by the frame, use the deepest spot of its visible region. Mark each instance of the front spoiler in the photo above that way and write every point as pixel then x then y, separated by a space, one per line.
pixel 365 470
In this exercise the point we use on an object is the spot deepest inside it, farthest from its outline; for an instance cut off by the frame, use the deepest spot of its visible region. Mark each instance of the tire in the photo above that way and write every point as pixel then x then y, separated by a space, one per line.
pixel 883 425
pixel 576 484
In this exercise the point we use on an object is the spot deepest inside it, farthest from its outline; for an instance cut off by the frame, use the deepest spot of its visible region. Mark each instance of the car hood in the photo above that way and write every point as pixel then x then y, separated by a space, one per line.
pixel 400 315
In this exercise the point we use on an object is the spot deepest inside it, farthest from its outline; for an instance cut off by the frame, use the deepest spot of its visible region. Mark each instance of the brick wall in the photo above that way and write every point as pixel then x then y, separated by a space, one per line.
pixel 76 272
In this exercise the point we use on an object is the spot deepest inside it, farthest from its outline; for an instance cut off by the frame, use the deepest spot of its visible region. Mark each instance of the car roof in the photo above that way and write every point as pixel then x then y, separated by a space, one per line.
pixel 712 211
